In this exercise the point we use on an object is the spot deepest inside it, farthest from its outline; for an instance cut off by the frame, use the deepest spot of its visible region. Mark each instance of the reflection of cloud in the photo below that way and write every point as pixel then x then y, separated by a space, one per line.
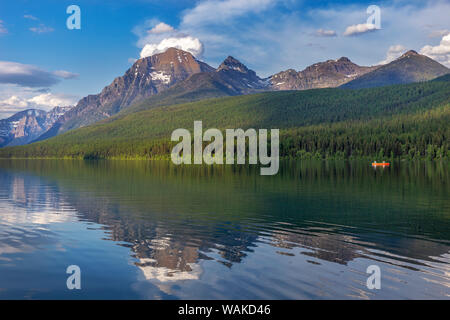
pixel 12 216
pixel 164 274
pixel 26 206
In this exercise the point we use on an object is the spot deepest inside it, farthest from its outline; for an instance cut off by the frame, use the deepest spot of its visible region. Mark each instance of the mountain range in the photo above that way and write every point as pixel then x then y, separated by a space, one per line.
pixel 328 74
pixel 176 76
pixel 406 121
pixel 25 126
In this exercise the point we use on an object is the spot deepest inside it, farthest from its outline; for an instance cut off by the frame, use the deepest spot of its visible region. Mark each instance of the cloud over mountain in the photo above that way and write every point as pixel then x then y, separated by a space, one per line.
pixel 393 53
pixel 156 37
pixel 440 52
pixel 187 43
pixel 43 101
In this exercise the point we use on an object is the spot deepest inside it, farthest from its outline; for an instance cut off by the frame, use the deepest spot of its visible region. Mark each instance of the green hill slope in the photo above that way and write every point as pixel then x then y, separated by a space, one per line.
pixel 367 115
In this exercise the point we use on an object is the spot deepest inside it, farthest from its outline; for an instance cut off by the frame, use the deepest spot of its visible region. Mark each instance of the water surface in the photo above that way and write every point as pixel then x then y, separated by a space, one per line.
pixel 151 230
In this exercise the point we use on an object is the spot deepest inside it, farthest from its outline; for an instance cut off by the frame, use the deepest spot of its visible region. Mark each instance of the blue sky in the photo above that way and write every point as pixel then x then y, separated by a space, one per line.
pixel 43 64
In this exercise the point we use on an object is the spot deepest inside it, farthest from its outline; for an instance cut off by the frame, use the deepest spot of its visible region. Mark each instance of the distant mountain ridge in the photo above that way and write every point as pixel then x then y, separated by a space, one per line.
pixel 328 74
pixel 25 126
pixel 410 67
pixel 154 75
pixel 176 76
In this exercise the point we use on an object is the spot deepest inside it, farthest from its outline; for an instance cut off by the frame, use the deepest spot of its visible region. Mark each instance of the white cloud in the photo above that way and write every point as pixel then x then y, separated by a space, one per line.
pixel 41 29
pixel 438 33
pixel 357 29
pixel 440 52
pixel 393 53
pixel 189 44
pixel 270 37
pixel 325 33
pixel 30 76
pixel 31 17
pixel 46 101
pixel 156 37
pixel 65 74
pixel 215 11
pixel 23 101
pixel 2 28
pixel 14 101
pixel 161 28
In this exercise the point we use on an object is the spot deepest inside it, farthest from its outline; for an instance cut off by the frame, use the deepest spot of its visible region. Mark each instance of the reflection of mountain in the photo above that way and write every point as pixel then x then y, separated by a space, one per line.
pixel 173 219
pixel 164 251
pixel 37 205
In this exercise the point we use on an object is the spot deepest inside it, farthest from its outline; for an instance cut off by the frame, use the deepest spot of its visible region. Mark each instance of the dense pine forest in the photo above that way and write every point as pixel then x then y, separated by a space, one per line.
pixel 400 121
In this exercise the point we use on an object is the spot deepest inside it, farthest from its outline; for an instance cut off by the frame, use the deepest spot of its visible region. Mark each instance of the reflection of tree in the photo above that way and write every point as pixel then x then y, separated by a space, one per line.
pixel 172 219
pixel 165 251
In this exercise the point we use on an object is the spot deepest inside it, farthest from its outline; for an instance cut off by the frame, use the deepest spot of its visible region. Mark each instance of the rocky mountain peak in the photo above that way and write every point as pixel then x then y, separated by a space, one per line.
pixel 409 53
pixel 331 73
pixel 241 78
pixel 344 59
pixel 166 68
pixel 231 63
pixel 146 77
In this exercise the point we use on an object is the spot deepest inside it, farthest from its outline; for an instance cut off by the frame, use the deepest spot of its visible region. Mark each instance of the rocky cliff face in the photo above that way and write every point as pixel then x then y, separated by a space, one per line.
pixel 148 76
pixel 239 77
pixel 328 74
pixel 25 126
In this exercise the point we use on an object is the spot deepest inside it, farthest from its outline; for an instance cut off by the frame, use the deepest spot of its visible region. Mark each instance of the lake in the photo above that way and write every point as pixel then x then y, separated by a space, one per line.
pixel 152 230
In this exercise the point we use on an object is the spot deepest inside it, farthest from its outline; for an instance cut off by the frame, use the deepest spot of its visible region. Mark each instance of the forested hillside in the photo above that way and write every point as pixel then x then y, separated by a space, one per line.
pixel 408 121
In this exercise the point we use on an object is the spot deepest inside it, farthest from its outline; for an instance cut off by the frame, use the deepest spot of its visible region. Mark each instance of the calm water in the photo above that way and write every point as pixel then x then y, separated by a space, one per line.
pixel 149 230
